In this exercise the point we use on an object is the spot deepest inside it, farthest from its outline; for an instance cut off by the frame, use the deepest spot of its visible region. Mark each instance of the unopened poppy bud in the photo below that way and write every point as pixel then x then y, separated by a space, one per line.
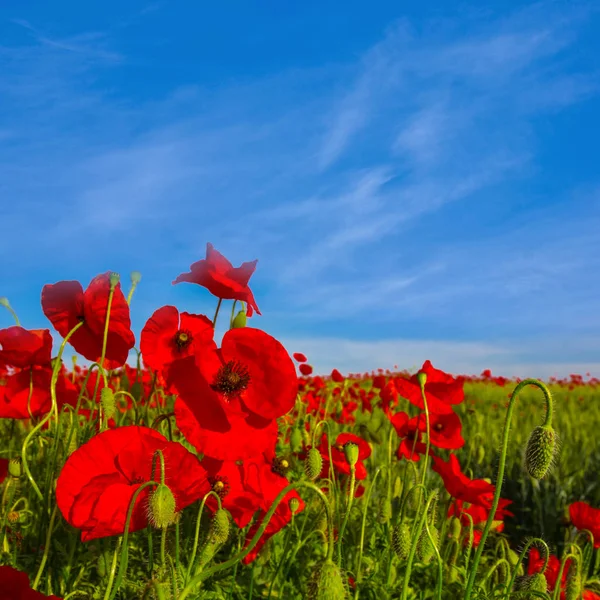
pixel 397 489
pixel 313 464
pixel 239 320
pixel 219 527
pixel 455 528
pixel 351 453
pixel 294 505
pixel 532 583
pixel 296 440
pixel 573 586
pixel 135 277
pixel 425 548
pixel 480 455
pixel 401 541
pixel 327 583
pixel 422 378
pixel 162 507
pixel 15 467
pixel 114 279
pixel 384 514
pixel 4 301
pixel 107 400
pixel 541 451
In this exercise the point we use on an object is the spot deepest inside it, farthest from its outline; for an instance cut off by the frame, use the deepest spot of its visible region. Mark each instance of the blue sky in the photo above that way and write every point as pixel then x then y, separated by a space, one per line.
pixel 417 180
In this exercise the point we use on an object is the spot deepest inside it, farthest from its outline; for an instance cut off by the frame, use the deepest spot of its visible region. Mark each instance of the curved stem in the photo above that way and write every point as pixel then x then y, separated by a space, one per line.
pixel 522 556
pixel 501 466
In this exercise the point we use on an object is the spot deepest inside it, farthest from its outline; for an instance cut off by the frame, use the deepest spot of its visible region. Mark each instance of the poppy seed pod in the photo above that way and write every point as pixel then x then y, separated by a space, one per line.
pixel 114 279
pixel 135 277
pixel 239 320
pixel 4 301
pixel 161 507
pixel 541 451
pixel 294 505
pixel 313 464
pixel 15 467
pixel 351 453
pixel 327 583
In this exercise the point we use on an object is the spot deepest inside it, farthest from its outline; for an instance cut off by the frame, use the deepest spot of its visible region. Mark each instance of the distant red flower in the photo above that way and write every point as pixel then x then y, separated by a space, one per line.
pixel 441 390
pixel 169 335
pixel 27 393
pixel 221 279
pixel 14 585
pixel 305 369
pixel 234 393
pixel 299 357
pixel 65 304
pixel 339 458
pixel 25 348
pixel 337 376
pixel 459 486
pixel 583 516
pixel 98 481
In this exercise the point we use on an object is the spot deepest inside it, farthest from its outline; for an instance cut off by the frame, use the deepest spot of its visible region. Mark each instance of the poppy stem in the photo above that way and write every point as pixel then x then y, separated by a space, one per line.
pixel 46 549
pixel 232 314
pixel 501 466
pixel 347 515
pixel 214 322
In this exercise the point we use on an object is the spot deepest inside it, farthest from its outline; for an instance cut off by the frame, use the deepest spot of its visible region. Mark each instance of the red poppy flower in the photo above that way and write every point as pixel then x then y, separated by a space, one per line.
pixel 583 516
pixel 445 431
pixel 27 393
pixel 337 376
pixel 169 336
pixel 339 457
pixel 14 585
pixel 441 390
pixel 299 357
pixel 458 485
pixel 22 348
pixel 409 430
pixel 221 279
pixel 234 394
pixel 305 369
pixel 66 304
pixel 98 481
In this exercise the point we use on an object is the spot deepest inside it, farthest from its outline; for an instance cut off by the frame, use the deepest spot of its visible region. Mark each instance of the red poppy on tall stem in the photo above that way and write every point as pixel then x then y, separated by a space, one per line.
pixel 234 393
pixel 65 304
pixel 22 348
pixel 169 335
pixel 222 279
pixel 98 481
pixel 583 516
pixel 441 390
pixel 338 455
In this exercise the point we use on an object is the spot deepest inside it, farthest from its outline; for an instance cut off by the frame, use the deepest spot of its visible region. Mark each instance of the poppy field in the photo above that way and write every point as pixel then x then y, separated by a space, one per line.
pixel 226 469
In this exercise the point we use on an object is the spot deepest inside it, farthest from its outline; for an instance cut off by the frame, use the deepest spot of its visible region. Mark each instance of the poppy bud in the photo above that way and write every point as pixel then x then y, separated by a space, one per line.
pixel 384 514
pixel 455 528
pixel 397 490
pixel 15 468
pixel 327 583
pixel 532 583
pixel 401 541
pixel 313 464
pixel 425 548
pixel 541 451
pixel 351 453
pixel 573 587
pixel 114 279
pixel 296 440
pixel 422 378
pixel 219 527
pixel 135 277
pixel 4 301
pixel 107 400
pixel 162 507
pixel 240 320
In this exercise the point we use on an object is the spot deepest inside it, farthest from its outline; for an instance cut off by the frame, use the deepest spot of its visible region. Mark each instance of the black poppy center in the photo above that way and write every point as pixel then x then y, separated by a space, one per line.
pixel 231 379
pixel 183 338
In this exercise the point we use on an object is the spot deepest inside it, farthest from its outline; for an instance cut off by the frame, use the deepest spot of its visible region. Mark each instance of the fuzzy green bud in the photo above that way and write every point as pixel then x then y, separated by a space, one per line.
pixel 455 528
pixel 107 400
pixel 351 453
pixel 219 527
pixel 425 548
pixel 574 583
pixel 313 464
pixel 541 451
pixel 239 320
pixel 327 583
pixel 401 541
pixel 384 514
pixel 532 583
pixel 161 507
pixel 296 440
pixel 397 488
